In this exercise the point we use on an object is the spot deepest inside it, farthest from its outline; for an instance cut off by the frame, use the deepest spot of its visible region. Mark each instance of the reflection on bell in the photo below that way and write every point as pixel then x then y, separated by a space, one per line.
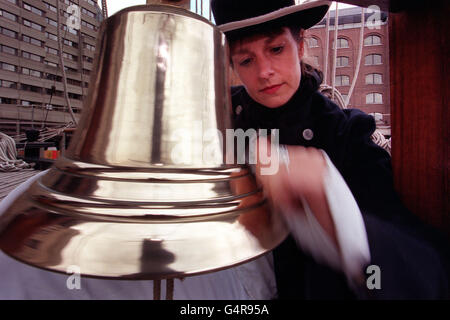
pixel 144 191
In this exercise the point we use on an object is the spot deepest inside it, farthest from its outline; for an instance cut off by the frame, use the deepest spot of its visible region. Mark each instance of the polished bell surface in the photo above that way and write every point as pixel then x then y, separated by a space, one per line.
pixel 144 190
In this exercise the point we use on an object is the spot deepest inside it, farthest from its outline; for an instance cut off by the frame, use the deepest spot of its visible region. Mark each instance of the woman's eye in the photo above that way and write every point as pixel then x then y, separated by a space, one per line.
pixel 277 49
pixel 245 62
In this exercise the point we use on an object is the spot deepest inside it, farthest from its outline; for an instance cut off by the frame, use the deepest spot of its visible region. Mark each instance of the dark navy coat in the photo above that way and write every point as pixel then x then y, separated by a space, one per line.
pixel 413 258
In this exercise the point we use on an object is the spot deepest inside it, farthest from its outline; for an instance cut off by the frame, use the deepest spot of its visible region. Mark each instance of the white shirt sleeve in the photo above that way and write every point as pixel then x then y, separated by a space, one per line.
pixel 353 252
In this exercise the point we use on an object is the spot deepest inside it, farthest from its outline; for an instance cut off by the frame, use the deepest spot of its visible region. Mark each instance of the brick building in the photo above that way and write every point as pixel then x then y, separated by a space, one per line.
pixel 371 92
pixel 31 87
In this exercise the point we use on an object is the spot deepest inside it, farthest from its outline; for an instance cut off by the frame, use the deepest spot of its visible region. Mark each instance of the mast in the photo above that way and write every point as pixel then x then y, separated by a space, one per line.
pixel 61 63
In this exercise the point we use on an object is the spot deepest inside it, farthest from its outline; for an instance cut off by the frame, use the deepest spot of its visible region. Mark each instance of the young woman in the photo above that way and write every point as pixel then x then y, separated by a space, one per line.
pixel 339 227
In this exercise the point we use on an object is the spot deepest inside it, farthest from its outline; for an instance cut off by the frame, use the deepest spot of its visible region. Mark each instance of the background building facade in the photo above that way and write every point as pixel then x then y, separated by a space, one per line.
pixel 371 92
pixel 31 80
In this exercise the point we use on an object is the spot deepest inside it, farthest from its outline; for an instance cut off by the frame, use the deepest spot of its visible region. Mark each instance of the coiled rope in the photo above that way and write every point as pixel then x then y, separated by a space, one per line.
pixel 8 155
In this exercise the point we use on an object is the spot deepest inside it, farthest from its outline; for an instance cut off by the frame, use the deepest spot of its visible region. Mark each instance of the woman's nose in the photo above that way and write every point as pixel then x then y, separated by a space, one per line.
pixel 265 68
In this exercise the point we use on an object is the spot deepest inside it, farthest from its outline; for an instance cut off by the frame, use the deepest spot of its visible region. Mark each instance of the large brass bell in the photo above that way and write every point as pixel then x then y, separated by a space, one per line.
pixel 144 191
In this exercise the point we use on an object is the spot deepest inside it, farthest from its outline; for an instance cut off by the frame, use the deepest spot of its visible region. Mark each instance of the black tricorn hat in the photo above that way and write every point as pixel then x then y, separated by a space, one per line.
pixel 233 16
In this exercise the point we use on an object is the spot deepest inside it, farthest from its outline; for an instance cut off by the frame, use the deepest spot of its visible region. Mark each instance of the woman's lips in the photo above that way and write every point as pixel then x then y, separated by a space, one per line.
pixel 271 89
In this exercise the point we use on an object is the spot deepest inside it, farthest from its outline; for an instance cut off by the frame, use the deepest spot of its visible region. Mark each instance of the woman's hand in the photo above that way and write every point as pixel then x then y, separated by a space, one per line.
pixel 301 178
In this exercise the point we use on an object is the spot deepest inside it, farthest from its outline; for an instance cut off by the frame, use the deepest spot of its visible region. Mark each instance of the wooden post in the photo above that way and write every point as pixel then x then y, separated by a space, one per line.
pixel 419 76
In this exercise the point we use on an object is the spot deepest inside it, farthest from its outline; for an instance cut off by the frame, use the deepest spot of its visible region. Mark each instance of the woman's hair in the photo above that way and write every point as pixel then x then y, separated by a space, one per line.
pixel 264 30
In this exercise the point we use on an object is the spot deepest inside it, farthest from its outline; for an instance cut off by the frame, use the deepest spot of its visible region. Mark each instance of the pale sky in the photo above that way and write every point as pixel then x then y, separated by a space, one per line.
pixel 116 5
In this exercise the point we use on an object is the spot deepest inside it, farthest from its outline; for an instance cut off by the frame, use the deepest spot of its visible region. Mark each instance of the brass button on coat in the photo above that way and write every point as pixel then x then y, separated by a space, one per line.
pixel 307 134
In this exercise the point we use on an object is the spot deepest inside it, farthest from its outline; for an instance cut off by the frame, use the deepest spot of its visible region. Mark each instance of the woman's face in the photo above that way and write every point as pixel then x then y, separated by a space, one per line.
pixel 269 67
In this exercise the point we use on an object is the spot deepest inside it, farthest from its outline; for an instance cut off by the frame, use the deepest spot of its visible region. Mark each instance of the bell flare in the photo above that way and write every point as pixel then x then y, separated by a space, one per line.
pixel 126 239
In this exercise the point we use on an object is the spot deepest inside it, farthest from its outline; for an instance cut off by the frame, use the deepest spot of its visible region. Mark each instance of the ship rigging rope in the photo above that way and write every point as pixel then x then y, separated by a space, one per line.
pixel 333 77
pixel 45 133
pixel 358 63
pixel 331 91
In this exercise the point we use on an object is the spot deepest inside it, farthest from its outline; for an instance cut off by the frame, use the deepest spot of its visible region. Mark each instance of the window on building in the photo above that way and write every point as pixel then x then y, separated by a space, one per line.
pixel 8 84
pixel 88 36
pixel 342 80
pixel 35 10
pixel 51 36
pixel 88 13
pixel 32 40
pixel 74 82
pixel 71 30
pixel 8 50
pixel 26 103
pixel 74 96
pixel 8 15
pixel 313 42
pixel 8 101
pixel 31 56
pixel 36 42
pixel 341 61
pixel 70 69
pixel 70 43
pixel 372 59
pixel 88 59
pixel 70 56
pixel 51 50
pixel 33 25
pixel 56 93
pixel 51 22
pixel 53 77
pixel 374 78
pixel 89 47
pixel 50 7
pixel 8 67
pixel 8 33
pixel 30 88
pixel 51 64
pixel 13 1
pixel 342 43
pixel 374 98
pixel 31 72
pixel 89 25
pixel 372 40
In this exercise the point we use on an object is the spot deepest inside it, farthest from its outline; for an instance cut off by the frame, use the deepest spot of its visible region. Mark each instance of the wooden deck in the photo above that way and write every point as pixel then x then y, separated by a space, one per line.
pixel 10 180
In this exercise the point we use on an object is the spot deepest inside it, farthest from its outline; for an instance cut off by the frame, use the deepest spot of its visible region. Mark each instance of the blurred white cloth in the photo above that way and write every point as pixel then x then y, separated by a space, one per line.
pixel 252 280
